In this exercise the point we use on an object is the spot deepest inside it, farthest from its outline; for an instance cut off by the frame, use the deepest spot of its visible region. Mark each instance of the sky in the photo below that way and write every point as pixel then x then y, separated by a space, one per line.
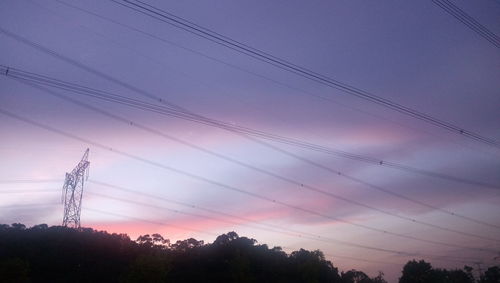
pixel 158 173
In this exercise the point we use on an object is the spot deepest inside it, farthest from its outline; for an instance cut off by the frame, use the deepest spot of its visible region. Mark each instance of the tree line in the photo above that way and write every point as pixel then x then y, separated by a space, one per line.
pixel 60 254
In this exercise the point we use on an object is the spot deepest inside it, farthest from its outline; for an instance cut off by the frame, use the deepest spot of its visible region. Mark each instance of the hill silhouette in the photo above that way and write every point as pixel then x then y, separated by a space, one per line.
pixel 59 254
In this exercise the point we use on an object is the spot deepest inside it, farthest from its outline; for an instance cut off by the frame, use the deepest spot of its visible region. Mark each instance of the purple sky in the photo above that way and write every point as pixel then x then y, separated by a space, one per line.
pixel 411 52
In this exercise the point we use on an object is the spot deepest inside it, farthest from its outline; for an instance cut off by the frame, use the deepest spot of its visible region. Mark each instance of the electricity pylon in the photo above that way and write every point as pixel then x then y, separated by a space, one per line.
pixel 73 191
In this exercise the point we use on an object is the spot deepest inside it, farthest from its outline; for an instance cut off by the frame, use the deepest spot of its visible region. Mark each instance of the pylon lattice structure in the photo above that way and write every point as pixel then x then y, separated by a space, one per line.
pixel 73 192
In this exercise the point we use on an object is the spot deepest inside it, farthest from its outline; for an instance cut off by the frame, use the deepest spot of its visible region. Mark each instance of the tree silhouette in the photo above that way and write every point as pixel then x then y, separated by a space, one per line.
pixel 491 275
pixel 14 270
pixel 418 272
pixel 59 254
pixel 422 271
pixel 355 276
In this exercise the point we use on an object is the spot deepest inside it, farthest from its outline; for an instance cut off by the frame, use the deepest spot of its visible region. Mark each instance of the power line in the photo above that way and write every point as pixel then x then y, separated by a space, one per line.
pixel 213 234
pixel 424 204
pixel 156 197
pixel 293 232
pixel 7 71
pixel 294 182
pixel 468 20
pixel 246 132
pixel 83 67
pixel 234 66
pixel 115 198
pixel 209 233
pixel 193 206
pixel 14 191
pixel 289 180
pixel 290 249
pixel 225 186
pixel 179 112
pixel 437 257
pixel 262 56
pixel 13 181
pixel 301 235
pixel 296 233
pixel 29 205
pixel 147 221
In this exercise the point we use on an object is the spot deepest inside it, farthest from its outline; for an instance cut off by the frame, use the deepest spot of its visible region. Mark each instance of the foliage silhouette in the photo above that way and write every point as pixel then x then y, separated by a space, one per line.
pixel 492 275
pixel 59 254
pixel 423 272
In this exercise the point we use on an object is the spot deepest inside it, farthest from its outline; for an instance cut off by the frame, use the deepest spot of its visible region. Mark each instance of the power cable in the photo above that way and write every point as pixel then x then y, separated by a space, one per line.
pixel 262 56
pixel 222 185
pixel 299 184
pixel 468 20
pixel 292 232
pixel 148 221
pixel 236 67
pixel 295 233
pixel 245 131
